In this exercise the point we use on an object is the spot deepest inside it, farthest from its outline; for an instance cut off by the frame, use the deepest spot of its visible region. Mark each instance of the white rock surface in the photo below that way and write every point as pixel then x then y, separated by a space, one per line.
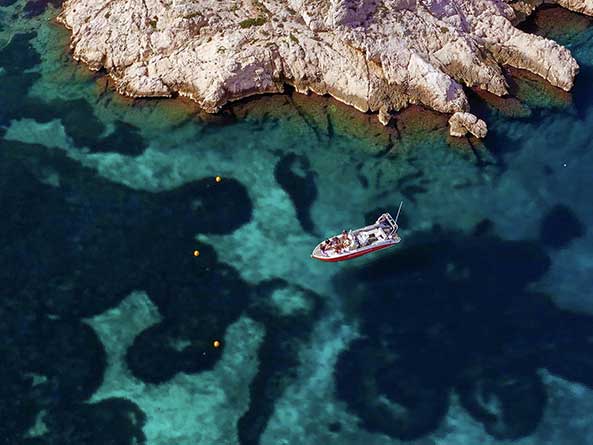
pixel 371 54
pixel 462 123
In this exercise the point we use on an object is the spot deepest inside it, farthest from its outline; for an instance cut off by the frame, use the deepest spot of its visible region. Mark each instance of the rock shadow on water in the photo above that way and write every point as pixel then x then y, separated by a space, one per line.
pixel 530 99
pixel 582 91
pixel 487 104
pixel 535 92
pixel 556 23
pixel 453 313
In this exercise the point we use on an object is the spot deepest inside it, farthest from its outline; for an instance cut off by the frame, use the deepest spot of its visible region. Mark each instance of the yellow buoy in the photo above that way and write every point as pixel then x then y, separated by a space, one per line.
pixel 218 179
pixel 216 344
pixel 196 252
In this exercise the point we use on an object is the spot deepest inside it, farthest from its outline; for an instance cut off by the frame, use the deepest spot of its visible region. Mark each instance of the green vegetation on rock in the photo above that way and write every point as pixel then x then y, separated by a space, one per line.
pixel 258 21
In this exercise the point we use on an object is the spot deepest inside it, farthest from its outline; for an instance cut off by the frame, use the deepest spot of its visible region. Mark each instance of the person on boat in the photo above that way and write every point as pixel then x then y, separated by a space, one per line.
pixel 345 239
pixel 336 244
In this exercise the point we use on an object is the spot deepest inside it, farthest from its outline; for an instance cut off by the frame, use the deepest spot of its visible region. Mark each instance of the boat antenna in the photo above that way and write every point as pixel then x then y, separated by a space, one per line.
pixel 399 210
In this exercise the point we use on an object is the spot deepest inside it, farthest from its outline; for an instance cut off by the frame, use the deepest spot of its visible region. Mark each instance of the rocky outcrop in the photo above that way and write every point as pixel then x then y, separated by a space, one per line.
pixel 462 123
pixel 376 55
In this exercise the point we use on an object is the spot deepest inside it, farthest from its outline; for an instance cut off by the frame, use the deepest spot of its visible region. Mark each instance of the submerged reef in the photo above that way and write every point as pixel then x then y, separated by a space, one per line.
pixel 294 175
pixel 20 64
pixel 376 55
pixel 77 249
pixel 560 226
pixel 76 245
pixel 288 327
pixel 455 303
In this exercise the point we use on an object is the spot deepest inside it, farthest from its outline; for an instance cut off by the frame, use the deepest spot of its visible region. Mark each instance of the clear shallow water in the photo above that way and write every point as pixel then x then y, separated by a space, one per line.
pixel 475 330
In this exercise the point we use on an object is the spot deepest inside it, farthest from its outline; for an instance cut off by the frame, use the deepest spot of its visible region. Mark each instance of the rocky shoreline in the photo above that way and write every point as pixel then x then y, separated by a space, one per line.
pixel 375 55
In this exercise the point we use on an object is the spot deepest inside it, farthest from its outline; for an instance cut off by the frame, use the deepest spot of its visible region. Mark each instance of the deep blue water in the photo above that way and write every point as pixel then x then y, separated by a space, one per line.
pixel 123 261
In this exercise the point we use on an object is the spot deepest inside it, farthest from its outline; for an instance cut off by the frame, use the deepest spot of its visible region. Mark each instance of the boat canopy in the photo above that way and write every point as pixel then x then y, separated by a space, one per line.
pixel 388 224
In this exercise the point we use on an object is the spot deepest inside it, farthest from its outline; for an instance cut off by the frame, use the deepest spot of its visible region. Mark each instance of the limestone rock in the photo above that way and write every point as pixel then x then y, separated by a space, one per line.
pixel 384 116
pixel 462 123
pixel 371 54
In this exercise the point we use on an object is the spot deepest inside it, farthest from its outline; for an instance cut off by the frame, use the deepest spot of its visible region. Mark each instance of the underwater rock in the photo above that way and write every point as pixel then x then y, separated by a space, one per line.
pixel 125 139
pixel 560 226
pixel 165 349
pixel 115 421
pixel 286 331
pixel 455 302
pixel 34 8
pixel 509 404
pixel 377 56
pixel 77 249
pixel 388 396
pixel 294 175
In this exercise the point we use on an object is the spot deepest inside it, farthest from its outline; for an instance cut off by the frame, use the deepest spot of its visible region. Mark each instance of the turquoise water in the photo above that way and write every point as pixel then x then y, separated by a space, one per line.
pixel 123 261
